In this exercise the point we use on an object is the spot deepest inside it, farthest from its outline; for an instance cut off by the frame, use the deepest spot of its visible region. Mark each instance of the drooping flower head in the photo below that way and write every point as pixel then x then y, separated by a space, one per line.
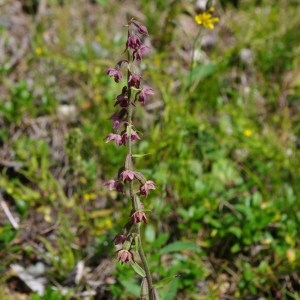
pixel 128 175
pixel 122 100
pixel 120 239
pixel 145 92
pixel 134 81
pixel 117 138
pixel 116 73
pixel 138 54
pixel 141 28
pixel 125 256
pixel 144 189
pixel 138 216
pixel 133 136
pixel 114 184
pixel 118 118
pixel 133 42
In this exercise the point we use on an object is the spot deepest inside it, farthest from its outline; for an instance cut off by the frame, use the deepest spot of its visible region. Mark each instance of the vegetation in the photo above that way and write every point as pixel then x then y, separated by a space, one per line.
pixel 222 139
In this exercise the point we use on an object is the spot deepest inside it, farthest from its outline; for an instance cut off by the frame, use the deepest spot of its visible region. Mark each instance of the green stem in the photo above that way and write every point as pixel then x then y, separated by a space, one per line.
pixel 145 264
pixel 193 57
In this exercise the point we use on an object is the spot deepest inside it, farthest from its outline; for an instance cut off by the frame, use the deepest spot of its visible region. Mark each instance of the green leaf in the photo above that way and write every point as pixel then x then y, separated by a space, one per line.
pixel 7 234
pixel 102 2
pixel 163 282
pixel 138 269
pixel 179 246
pixel 203 71
pixel 135 89
pixel 235 231
pixel 131 287
pixel 160 240
pixel 235 248
pixel 140 155
pixel 170 290
pixel 150 233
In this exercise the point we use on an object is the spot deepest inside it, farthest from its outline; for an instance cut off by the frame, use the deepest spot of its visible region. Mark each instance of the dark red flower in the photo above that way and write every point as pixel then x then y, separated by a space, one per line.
pixel 113 72
pixel 141 28
pixel 114 184
pixel 117 138
pixel 133 136
pixel 125 256
pixel 138 216
pixel 122 100
pixel 134 81
pixel 138 54
pixel 133 42
pixel 120 239
pixel 149 185
pixel 128 175
pixel 110 184
pixel 144 94
pixel 118 118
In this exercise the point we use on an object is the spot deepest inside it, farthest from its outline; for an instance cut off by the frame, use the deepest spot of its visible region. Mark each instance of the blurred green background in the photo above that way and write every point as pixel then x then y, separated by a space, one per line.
pixel 224 144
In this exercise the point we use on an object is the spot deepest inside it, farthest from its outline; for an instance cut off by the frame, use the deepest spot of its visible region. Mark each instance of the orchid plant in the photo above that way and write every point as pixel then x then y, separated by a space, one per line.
pixel 129 181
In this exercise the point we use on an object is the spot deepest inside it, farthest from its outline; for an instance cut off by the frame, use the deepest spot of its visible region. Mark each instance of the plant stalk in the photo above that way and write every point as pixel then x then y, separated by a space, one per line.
pixel 134 200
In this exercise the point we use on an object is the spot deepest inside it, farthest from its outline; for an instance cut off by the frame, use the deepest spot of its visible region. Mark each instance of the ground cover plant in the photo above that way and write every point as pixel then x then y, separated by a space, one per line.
pixel 222 138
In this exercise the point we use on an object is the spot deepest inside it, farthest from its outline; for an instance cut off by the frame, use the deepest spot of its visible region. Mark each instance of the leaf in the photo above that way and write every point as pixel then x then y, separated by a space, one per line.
pixel 160 240
pixel 138 269
pixel 140 155
pixel 201 72
pixel 150 233
pixel 172 291
pixel 134 89
pixel 235 231
pixel 235 248
pixel 102 2
pixel 179 246
pixel 131 287
pixel 163 282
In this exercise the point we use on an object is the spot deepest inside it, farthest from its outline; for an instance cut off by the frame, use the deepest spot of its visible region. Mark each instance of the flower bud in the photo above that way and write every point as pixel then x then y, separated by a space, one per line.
pixel 144 289
pixel 120 239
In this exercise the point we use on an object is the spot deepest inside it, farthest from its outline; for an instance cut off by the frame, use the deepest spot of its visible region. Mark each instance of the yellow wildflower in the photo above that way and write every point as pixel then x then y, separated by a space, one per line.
pixel 38 51
pixel 248 132
pixel 89 196
pixel 206 19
